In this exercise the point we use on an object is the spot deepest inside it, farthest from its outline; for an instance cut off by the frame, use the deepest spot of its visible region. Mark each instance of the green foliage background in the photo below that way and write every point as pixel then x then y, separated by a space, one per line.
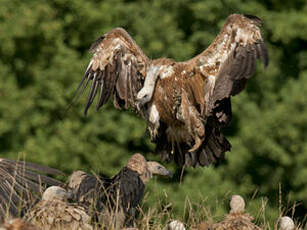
pixel 44 52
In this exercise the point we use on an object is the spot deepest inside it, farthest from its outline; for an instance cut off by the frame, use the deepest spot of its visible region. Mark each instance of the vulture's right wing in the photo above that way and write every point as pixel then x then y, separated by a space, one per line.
pixel 230 61
pixel 19 181
pixel 117 67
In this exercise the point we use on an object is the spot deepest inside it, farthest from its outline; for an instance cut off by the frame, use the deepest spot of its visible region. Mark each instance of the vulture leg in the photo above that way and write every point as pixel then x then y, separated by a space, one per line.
pixel 189 115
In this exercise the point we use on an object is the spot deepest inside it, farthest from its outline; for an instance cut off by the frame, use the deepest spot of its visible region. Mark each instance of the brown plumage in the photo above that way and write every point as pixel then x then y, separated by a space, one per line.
pixel 54 212
pixel 20 184
pixel 187 103
pixel 237 219
pixel 202 226
pixel 18 224
pixel 113 200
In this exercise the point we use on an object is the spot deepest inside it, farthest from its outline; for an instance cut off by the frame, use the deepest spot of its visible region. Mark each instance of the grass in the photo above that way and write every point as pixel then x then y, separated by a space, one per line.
pixel 158 215
pixel 195 213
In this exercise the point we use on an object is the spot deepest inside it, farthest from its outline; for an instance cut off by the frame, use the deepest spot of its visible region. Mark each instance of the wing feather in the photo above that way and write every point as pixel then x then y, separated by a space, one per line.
pixel 120 84
pixel 90 95
pixel 252 62
pixel 102 92
pixel 19 182
pixel 112 70
pixel 231 58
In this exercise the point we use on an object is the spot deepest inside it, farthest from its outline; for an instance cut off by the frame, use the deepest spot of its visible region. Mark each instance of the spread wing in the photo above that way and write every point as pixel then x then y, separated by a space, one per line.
pixel 19 181
pixel 117 68
pixel 230 60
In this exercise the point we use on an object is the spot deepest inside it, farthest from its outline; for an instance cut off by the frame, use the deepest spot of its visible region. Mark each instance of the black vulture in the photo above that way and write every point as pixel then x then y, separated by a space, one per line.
pixel 115 199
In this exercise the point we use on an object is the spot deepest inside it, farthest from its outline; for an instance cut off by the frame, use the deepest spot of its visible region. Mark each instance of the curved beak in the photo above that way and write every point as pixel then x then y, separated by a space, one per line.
pixel 169 174
pixel 157 169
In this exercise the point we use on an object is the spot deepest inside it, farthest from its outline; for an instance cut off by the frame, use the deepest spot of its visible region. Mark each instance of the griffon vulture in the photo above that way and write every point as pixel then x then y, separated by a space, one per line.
pixel 54 212
pixel 185 104
pixel 113 200
pixel 20 182
pixel 237 219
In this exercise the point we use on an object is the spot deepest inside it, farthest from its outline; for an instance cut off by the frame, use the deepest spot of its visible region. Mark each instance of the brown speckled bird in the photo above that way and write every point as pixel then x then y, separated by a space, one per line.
pixel 54 212
pixel 115 199
pixel 18 224
pixel 21 184
pixel 185 104
pixel 237 219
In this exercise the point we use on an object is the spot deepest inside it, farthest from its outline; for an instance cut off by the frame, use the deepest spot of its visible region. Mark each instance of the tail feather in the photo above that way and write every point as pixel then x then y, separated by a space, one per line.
pixel 211 151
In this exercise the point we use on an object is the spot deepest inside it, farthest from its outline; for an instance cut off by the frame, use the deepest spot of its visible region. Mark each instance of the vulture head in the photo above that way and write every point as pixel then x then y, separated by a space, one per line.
pixel 76 178
pixel 55 193
pixel 285 223
pixel 237 204
pixel 146 169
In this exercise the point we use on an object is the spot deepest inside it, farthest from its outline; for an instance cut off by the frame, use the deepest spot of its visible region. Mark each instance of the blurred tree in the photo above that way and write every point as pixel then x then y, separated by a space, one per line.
pixel 43 54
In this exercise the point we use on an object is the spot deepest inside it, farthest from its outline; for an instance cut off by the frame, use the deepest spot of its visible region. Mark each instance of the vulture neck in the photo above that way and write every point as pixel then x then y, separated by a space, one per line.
pixel 146 176
pixel 150 81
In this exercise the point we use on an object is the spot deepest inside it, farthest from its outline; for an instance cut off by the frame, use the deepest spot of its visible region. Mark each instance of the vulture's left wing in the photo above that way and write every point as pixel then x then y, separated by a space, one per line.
pixel 118 67
pixel 231 59
pixel 19 181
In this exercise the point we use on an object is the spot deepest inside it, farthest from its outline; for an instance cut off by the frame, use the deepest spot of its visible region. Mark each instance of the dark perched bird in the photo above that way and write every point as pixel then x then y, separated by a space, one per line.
pixel 115 199
pixel 237 219
pixel 20 184
pixel 54 212
pixel 185 104
pixel 18 224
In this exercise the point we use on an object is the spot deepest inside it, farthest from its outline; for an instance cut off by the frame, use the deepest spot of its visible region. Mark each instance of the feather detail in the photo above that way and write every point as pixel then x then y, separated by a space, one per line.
pixel 110 69
pixel 20 183
pixel 185 104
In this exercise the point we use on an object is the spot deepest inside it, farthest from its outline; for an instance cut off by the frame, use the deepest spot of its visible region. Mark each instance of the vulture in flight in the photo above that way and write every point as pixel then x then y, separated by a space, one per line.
pixel 113 200
pixel 185 104
pixel 20 184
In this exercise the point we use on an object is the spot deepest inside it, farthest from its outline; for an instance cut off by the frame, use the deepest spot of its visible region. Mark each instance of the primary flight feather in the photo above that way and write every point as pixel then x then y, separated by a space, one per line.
pixel 20 184
pixel 185 104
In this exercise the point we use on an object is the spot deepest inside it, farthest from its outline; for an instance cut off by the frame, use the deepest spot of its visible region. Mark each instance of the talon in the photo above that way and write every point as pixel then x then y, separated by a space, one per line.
pixel 197 144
